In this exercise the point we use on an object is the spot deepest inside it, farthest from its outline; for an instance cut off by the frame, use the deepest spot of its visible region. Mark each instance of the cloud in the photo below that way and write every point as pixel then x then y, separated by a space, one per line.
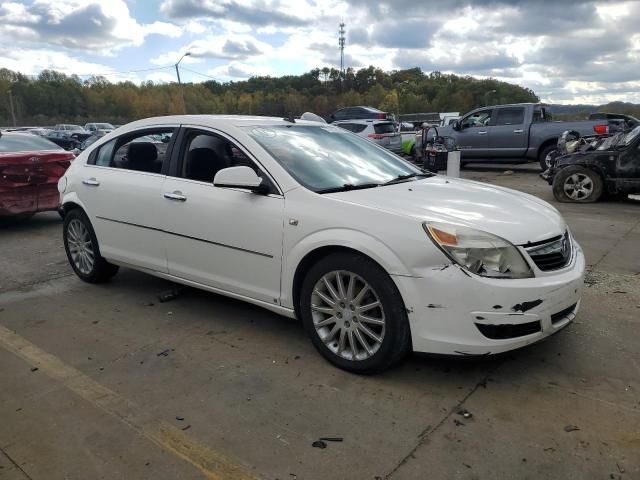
pixel 257 13
pixel 102 27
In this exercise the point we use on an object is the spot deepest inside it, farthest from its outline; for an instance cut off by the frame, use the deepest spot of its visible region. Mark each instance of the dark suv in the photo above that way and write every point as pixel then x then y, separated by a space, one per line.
pixel 360 113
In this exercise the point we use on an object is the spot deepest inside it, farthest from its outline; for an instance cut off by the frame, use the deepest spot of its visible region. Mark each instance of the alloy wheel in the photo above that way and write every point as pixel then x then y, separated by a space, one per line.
pixel 348 315
pixel 80 246
pixel 578 186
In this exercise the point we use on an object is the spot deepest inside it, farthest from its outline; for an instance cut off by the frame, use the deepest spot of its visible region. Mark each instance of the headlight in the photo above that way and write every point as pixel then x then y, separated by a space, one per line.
pixel 479 252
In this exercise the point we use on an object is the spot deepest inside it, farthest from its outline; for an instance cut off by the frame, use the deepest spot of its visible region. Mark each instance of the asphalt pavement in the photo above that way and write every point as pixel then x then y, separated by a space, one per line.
pixel 107 382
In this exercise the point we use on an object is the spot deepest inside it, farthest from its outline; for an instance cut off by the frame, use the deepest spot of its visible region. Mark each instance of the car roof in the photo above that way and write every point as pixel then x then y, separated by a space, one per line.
pixel 373 121
pixel 216 121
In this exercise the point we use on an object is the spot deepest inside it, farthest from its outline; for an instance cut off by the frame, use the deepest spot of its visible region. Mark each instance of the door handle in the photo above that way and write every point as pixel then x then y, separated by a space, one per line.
pixel 482 133
pixel 92 182
pixel 176 196
pixel 518 130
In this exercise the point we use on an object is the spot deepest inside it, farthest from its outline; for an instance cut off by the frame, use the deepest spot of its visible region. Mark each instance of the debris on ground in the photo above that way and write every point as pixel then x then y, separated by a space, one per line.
pixel 507 172
pixel 180 419
pixel 322 441
pixel 465 413
pixel 34 369
pixel 150 304
pixel 571 428
pixel 169 295
pixel 165 353
pixel 458 423
pixel 186 428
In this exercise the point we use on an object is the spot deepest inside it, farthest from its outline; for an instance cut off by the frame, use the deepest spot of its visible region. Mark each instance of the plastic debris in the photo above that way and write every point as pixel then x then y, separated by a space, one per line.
pixel 571 428
pixel 465 413
pixel 319 444
pixel 169 295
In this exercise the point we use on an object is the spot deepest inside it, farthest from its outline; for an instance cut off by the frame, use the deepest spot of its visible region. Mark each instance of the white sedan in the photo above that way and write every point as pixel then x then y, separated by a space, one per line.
pixel 374 256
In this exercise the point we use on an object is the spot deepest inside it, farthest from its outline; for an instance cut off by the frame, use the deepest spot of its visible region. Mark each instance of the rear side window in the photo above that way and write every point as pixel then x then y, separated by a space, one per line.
pixel 141 151
pixel 510 116
pixel 353 127
pixel 25 143
pixel 384 128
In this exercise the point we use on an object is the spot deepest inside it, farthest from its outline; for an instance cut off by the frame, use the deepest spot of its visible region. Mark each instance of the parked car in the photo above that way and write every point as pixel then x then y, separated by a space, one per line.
pixel 43 132
pixel 63 139
pixel 408 137
pixel 522 131
pixel 30 167
pixel 629 122
pixel 611 166
pixel 91 139
pixel 94 127
pixel 360 113
pixel 374 256
pixel 381 132
pixel 67 127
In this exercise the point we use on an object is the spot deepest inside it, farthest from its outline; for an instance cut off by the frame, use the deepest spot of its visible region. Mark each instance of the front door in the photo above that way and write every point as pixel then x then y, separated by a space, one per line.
pixel 226 238
pixel 473 136
pixel 122 191
pixel 628 168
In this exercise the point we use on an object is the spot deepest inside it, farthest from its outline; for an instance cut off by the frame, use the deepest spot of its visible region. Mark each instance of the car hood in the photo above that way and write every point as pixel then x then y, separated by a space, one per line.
pixel 515 216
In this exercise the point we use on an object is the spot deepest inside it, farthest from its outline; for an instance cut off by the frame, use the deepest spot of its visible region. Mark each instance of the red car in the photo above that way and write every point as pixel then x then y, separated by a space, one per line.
pixel 30 167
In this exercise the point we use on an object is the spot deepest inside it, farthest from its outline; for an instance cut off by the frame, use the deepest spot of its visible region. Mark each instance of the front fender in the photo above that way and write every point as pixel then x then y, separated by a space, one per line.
pixel 337 237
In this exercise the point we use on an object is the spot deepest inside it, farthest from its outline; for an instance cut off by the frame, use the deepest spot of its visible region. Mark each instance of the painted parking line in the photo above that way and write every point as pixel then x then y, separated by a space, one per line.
pixel 212 464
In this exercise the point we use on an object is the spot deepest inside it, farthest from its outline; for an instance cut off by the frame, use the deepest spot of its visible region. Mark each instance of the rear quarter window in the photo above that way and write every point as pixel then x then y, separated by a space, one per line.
pixel 384 128
pixel 25 143
pixel 510 116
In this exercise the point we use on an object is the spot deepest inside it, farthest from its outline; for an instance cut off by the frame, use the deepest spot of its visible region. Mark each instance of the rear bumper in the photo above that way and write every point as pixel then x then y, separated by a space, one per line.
pixel 451 312
pixel 28 199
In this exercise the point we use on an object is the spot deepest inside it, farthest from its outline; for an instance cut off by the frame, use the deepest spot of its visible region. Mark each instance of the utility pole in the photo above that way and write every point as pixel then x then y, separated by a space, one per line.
pixel 341 42
pixel 184 106
pixel 13 113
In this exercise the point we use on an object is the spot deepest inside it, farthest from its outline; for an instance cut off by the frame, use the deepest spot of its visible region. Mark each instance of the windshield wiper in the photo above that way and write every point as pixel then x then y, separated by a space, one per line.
pixel 401 178
pixel 348 186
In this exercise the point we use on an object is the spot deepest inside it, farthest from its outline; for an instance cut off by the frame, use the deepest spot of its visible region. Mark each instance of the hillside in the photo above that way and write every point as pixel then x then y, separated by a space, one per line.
pixel 53 97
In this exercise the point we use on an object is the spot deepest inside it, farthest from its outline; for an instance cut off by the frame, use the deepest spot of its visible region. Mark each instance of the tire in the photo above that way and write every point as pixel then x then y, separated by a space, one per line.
pixel 82 249
pixel 543 156
pixel 320 320
pixel 589 185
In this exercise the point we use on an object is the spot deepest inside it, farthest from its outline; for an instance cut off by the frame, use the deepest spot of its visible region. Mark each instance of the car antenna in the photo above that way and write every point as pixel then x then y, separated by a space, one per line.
pixel 290 118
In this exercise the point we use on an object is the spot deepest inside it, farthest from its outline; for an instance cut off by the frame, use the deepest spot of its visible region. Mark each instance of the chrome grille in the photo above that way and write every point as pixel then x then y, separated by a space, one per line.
pixel 551 254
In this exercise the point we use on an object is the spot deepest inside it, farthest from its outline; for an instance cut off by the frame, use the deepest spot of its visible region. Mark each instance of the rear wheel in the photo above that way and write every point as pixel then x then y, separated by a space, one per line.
pixel 577 184
pixel 354 313
pixel 546 156
pixel 82 249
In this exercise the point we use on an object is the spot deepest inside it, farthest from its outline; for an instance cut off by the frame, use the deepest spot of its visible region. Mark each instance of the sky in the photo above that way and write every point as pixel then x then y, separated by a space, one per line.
pixel 567 51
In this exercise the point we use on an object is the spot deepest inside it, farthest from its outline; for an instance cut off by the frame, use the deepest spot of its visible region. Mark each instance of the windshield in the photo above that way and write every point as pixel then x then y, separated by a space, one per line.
pixel 326 157
pixel 620 139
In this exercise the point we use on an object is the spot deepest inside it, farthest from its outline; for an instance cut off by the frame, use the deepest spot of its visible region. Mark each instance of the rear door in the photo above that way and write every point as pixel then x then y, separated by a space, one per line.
pixel 121 188
pixel 508 135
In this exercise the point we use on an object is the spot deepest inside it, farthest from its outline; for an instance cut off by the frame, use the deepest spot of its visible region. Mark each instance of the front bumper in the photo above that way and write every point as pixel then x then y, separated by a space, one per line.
pixel 450 309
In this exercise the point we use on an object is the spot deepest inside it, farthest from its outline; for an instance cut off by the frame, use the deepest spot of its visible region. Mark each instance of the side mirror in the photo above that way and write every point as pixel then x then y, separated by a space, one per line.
pixel 240 177
pixel 456 125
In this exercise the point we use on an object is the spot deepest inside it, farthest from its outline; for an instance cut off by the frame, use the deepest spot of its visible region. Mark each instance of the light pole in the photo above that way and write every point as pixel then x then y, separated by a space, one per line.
pixel 184 107
pixel 486 97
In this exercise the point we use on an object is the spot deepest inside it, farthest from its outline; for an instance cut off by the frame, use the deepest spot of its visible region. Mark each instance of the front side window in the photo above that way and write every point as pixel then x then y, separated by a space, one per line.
pixel 205 154
pixel 478 119
pixel 326 157
pixel 139 151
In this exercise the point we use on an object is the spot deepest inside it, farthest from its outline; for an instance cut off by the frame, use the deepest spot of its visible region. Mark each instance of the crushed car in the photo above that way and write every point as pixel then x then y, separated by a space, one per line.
pixel 586 168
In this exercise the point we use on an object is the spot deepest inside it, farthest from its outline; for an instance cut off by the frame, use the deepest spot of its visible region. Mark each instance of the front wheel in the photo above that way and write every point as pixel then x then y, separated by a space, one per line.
pixel 354 314
pixel 577 184
pixel 81 245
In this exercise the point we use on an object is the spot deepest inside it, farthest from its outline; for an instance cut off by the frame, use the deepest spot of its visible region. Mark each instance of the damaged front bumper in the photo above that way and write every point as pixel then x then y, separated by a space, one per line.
pixel 452 312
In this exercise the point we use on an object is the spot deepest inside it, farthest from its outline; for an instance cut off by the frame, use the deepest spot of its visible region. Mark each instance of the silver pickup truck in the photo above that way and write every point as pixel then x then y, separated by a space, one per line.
pixel 523 131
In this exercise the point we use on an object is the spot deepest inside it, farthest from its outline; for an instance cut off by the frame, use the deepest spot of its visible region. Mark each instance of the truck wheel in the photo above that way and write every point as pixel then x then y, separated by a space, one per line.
pixel 545 156
pixel 577 184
